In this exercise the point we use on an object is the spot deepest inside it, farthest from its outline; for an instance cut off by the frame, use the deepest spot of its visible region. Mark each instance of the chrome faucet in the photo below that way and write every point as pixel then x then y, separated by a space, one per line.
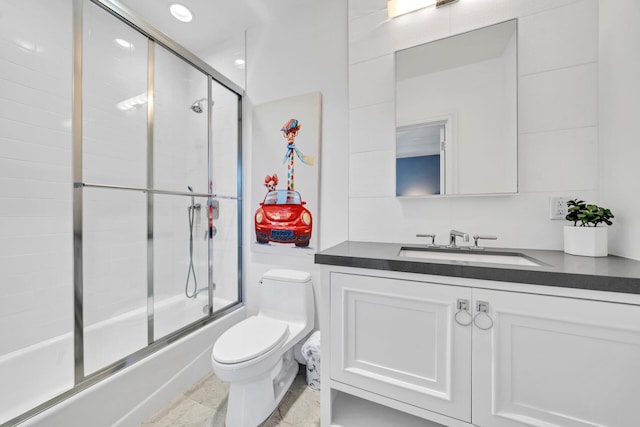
pixel 452 238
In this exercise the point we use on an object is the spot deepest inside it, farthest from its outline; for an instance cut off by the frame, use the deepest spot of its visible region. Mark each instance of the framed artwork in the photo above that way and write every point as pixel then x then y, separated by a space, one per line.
pixel 285 175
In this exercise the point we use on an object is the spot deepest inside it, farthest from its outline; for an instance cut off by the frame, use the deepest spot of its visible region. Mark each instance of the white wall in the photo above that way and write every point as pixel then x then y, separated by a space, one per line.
pixel 558 120
pixel 619 91
pixel 304 52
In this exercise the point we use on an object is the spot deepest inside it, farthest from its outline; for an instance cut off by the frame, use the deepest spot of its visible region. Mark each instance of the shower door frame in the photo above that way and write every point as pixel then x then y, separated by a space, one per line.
pixel 119 11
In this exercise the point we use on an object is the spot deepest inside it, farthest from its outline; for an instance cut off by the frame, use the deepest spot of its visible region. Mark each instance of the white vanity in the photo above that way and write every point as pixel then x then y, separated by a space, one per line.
pixel 426 343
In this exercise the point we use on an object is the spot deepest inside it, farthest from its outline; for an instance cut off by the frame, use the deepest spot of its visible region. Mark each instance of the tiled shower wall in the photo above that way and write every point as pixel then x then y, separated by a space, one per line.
pixel 557 113
pixel 36 200
pixel 36 252
pixel 36 269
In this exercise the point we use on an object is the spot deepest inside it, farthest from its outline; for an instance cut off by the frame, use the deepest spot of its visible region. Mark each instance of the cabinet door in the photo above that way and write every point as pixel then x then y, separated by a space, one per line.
pixel 552 361
pixel 398 338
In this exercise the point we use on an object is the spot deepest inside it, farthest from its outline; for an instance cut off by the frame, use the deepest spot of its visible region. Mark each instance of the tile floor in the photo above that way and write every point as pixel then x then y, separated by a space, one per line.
pixel 205 404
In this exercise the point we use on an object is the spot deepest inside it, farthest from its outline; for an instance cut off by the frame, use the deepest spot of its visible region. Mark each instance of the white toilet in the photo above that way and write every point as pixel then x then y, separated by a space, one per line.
pixel 256 355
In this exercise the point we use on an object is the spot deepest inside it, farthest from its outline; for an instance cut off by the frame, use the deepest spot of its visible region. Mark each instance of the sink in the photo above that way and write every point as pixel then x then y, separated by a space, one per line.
pixel 469 256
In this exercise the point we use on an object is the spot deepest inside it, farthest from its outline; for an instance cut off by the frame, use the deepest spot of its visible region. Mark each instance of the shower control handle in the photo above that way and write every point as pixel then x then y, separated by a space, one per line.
pixel 211 232
pixel 215 211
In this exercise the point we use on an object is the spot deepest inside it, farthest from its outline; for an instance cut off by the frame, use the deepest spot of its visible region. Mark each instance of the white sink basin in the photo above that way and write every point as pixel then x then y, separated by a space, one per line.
pixel 455 255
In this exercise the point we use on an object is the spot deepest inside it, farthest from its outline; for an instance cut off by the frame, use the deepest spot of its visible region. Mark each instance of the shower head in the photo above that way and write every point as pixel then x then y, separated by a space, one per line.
pixel 197 106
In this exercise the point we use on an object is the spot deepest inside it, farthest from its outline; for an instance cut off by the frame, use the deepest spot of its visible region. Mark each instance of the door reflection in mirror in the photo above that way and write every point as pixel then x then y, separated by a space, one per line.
pixel 421 159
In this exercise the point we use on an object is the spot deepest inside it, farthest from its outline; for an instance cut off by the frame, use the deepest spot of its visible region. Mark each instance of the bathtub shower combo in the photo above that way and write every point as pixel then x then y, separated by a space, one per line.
pixel 102 150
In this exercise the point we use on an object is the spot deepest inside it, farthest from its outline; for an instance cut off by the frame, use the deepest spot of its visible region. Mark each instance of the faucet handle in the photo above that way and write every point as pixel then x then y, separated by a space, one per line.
pixel 477 237
pixel 432 235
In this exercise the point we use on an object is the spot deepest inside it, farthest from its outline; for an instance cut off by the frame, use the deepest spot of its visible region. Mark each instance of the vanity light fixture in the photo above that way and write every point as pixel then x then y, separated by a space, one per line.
pixel 401 7
pixel 29 46
pixel 444 2
pixel 181 12
pixel 132 102
pixel 124 44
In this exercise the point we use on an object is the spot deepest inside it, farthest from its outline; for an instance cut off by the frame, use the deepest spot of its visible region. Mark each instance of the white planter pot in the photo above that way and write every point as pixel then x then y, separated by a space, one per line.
pixel 586 241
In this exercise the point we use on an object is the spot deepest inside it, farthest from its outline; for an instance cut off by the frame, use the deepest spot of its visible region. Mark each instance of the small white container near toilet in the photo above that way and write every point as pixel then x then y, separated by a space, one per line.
pixel 256 356
pixel 311 352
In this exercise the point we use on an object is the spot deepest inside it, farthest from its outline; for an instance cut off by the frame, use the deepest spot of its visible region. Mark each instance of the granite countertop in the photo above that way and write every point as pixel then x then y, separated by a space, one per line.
pixel 612 273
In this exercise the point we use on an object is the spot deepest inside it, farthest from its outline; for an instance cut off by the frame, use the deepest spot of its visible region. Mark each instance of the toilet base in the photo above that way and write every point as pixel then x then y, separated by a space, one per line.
pixel 250 403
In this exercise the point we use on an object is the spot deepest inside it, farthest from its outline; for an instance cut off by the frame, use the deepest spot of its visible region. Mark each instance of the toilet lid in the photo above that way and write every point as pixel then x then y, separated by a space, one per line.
pixel 249 339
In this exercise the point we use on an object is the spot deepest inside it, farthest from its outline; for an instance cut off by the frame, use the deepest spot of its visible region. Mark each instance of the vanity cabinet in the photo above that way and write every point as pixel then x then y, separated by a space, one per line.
pixel 556 361
pixel 397 338
pixel 512 358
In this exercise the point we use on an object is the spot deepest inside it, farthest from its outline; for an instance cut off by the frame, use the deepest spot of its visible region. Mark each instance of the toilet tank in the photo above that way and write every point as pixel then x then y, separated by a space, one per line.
pixel 287 295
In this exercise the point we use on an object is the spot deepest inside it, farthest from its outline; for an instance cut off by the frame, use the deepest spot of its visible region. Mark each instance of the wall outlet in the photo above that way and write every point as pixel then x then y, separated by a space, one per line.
pixel 558 207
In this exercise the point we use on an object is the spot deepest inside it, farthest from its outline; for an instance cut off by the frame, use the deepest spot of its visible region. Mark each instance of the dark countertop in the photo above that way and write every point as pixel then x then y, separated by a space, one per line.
pixel 612 273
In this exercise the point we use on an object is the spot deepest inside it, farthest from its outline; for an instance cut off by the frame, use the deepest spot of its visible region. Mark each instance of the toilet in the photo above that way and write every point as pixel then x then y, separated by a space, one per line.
pixel 256 356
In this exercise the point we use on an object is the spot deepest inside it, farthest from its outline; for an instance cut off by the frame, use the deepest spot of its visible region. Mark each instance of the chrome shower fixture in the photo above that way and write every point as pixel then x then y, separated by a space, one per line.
pixel 197 106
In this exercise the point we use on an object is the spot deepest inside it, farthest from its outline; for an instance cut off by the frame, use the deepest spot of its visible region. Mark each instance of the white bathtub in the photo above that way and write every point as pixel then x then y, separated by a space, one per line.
pixel 34 374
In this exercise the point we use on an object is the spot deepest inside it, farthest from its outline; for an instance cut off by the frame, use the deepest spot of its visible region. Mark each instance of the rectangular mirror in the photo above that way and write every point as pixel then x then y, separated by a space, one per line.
pixel 456 114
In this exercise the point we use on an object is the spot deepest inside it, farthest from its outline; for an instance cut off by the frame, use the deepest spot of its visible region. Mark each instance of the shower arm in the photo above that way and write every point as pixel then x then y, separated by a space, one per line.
pixel 154 191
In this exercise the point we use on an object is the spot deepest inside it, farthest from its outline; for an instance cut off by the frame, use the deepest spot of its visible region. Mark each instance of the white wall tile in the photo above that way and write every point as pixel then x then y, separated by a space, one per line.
pixel 476 14
pixel 519 221
pixel 372 174
pixel 619 87
pixel 558 38
pixel 558 96
pixel 418 216
pixel 35 173
pixel 33 116
pixel 471 15
pixel 558 99
pixel 559 160
pixel 374 34
pixel 358 8
pixel 372 82
pixel 372 128
pixel 59 137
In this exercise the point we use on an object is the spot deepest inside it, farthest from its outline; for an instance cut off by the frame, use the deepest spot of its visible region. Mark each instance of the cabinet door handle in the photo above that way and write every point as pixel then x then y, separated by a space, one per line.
pixel 463 308
pixel 482 309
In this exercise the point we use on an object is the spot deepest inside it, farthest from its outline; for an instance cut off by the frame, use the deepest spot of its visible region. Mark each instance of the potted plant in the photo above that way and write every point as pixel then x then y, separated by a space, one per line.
pixel 584 237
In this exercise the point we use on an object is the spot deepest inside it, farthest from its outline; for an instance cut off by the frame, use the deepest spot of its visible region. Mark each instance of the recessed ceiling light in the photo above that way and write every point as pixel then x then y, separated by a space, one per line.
pixel 29 45
pixel 239 63
pixel 180 12
pixel 132 102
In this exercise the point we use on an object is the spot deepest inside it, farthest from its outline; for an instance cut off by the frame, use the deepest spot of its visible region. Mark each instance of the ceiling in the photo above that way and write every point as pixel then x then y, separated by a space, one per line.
pixel 213 20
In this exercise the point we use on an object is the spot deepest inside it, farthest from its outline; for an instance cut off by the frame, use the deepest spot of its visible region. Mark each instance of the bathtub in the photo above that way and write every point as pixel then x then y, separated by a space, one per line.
pixel 35 374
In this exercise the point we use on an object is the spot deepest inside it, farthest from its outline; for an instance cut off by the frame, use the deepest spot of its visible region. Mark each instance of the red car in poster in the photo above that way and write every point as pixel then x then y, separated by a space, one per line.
pixel 282 218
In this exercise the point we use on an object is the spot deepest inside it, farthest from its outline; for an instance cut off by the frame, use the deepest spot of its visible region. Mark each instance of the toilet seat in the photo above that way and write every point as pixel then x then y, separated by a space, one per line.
pixel 250 339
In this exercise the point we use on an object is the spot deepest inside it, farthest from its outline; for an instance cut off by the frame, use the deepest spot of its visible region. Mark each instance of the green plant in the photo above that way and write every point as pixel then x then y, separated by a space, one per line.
pixel 587 215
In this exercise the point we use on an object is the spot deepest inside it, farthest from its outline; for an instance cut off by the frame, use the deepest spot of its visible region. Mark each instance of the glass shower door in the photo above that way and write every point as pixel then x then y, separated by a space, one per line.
pixel 180 165
pixel 114 242
pixel 187 255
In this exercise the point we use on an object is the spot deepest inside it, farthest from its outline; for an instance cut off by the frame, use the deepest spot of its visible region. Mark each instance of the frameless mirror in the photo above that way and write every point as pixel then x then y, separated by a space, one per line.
pixel 456 114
